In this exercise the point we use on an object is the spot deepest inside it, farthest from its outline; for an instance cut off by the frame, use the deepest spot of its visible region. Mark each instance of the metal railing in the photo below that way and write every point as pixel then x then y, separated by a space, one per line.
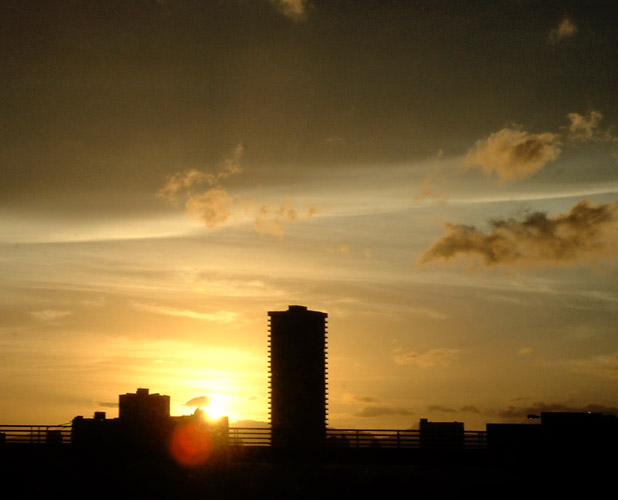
pixel 369 438
pixel 249 436
pixel 388 438
pixel 261 437
pixel 35 434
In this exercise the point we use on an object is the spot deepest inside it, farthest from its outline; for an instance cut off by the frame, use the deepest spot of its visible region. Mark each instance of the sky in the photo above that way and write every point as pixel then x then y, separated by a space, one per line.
pixel 440 178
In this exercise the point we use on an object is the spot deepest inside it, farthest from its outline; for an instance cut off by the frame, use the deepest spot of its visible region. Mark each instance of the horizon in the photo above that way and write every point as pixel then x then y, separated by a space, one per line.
pixel 440 178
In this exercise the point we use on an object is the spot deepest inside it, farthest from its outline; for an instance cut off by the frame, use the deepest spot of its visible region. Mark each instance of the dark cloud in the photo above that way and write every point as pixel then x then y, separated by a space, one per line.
pixel 108 404
pixel 381 411
pixel 432 358
pixel 588 231
pixel 198 402
pixel 365 399
pixel 522 412
pixel 442 409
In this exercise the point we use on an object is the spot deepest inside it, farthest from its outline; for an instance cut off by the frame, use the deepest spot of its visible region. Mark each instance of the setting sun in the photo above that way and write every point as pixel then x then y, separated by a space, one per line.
pixel 216 408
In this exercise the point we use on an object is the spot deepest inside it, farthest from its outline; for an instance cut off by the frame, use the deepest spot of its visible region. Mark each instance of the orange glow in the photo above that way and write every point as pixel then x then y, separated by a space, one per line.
pixel 191 444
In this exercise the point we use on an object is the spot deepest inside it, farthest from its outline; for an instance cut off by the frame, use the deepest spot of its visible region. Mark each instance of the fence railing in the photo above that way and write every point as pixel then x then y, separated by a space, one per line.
pixel 388 438
pixel 35 434
pixel 261 437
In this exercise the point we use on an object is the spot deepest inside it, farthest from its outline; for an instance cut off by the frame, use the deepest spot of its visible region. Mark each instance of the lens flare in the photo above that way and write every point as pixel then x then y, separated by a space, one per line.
pixel 191 444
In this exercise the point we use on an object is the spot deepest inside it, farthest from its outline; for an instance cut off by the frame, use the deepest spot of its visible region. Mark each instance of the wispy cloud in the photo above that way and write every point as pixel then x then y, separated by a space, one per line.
pixel 271 218
pixel 587 231
pixel 294 9
pixel 205 197
pixel 565 29
pixel 348 250
pixel 50 315
pixel 587 128
pixel 433 185
pixel 218 317
pixel 381 411
pixel 513 154
pixel 604 366
pixel 359 398
pixel 213 205
pixel 429 359
pixel 182 182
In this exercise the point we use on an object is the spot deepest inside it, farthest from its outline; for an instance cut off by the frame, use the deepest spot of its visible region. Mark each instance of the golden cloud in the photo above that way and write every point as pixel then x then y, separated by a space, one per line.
pixel 588 231
pixel 513 154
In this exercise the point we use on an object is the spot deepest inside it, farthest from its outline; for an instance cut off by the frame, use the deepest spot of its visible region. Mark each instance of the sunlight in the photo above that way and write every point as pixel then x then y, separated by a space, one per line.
pixel 216 408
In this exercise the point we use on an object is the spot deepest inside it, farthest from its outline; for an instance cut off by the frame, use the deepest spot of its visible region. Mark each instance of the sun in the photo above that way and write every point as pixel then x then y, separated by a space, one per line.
pixel 216 408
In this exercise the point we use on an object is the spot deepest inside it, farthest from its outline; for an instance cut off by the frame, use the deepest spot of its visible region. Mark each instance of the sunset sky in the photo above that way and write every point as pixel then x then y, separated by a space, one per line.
pixel 440 177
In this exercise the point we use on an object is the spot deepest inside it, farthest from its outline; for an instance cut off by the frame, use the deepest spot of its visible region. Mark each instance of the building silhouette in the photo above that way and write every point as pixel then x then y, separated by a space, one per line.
pixel 145 428
pixel 298 379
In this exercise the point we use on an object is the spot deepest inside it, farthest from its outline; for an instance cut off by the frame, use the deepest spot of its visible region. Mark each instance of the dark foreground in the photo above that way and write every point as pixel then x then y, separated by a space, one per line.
pixel 67 473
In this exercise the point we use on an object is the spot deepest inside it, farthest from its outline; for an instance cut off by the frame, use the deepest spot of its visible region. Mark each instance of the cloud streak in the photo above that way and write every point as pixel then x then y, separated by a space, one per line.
pixel 588 231
pixel 430 359
pixel 381 411
pixel 50 315
pixel 217 317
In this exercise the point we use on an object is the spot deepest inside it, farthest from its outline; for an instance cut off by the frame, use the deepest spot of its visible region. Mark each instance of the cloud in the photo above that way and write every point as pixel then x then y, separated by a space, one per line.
pixel 429 359
pixel 218 317
pixel 294 9
pixel 347 250
pixel 50 315
pixel 441 408
pixel 521 412
pixel 271 219
pixel 334 140
pixel 184 182
pixel 513 154
pixel 586 128
pixel 213 207
pixel 605 366
pixel 565 29
pixel 107 404
pixel 341 249
pixel 381 411
pixel 359 398
pixel 198 402
pixel 433 185
pixel 588 231
pixel 205 197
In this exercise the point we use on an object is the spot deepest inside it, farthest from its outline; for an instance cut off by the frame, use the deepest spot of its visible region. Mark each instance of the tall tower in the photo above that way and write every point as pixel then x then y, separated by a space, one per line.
pixel 298 379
